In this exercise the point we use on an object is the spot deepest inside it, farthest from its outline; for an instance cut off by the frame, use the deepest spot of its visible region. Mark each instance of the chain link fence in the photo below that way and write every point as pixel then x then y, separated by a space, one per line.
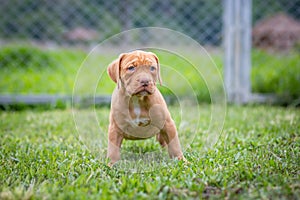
pixel 58 25
pixel 70 22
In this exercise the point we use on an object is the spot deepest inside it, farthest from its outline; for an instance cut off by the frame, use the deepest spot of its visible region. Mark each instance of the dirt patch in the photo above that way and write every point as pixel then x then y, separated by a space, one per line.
pixel 279 32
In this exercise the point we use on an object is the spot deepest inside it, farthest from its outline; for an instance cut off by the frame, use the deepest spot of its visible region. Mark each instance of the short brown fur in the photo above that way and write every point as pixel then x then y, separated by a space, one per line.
pixel 138 110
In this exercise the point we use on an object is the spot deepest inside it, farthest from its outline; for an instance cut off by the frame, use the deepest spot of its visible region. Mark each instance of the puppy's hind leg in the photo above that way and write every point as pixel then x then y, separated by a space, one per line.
pixel 161 140
pixel 170 136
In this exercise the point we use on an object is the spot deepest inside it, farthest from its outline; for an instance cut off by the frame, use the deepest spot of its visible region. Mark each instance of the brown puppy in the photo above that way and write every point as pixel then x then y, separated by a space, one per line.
pixel 138 110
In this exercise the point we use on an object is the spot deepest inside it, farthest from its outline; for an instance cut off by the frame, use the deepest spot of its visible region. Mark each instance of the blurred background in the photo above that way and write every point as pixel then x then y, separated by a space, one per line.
pixel 43 43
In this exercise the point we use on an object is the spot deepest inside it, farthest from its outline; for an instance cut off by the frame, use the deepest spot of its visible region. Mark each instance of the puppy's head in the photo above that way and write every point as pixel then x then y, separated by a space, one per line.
pixel 136 71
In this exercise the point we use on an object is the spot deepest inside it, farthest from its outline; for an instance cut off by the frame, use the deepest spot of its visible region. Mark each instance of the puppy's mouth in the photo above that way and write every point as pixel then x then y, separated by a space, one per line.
pixel 143 92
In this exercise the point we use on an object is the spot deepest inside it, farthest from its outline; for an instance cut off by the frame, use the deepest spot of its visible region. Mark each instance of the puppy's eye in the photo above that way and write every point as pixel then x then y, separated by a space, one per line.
pixel 152 69
pixel 131 68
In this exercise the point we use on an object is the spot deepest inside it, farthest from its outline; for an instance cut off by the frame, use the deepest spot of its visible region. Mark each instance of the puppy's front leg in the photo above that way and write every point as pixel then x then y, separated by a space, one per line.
pixel 114 144
pixel 170 136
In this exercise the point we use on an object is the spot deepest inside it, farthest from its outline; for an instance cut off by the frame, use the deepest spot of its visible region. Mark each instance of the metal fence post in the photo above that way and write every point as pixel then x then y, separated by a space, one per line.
pixel 237 43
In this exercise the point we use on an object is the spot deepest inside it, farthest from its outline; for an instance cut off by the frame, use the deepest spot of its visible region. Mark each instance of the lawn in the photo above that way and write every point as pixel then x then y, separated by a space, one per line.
pixel 257 156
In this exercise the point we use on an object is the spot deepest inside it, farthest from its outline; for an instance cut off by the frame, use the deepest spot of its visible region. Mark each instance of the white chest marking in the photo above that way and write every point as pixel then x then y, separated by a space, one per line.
pixel 138 121
pixel 136 107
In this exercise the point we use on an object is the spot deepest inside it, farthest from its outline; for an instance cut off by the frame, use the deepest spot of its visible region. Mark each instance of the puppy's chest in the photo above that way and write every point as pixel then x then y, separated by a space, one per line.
pixel 139 113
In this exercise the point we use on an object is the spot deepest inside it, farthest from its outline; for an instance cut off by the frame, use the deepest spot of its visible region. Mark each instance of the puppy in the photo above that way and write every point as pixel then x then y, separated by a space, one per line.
pixel 138 110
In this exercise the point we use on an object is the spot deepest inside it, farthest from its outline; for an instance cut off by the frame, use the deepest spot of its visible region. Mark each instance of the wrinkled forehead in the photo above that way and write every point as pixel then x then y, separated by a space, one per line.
pixel 139 59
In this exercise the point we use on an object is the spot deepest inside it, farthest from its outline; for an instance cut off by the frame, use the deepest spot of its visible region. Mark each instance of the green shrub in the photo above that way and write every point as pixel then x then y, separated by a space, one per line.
pixel 271 72
pixel 276 73
pixel 25 57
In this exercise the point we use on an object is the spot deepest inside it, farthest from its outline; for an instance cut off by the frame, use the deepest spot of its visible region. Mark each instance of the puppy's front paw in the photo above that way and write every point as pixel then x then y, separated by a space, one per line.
pixel 183 159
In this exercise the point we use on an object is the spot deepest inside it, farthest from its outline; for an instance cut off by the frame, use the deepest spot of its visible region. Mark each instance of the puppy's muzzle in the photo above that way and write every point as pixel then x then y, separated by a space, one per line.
pixel 145 82
pixel 144 85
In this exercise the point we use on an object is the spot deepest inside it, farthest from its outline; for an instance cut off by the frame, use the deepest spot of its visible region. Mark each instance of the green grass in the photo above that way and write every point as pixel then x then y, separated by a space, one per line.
pixel 257 157
pixel 21 73
pixel 18 77
pixel 34 78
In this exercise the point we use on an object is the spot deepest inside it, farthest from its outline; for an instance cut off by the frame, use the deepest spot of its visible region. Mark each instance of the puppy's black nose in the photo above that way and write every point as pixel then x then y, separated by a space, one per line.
pixel 144 82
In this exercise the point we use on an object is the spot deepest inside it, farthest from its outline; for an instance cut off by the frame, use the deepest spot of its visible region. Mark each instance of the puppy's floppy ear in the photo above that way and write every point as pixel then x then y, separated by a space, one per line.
pixel 158 68
pixel 114 69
